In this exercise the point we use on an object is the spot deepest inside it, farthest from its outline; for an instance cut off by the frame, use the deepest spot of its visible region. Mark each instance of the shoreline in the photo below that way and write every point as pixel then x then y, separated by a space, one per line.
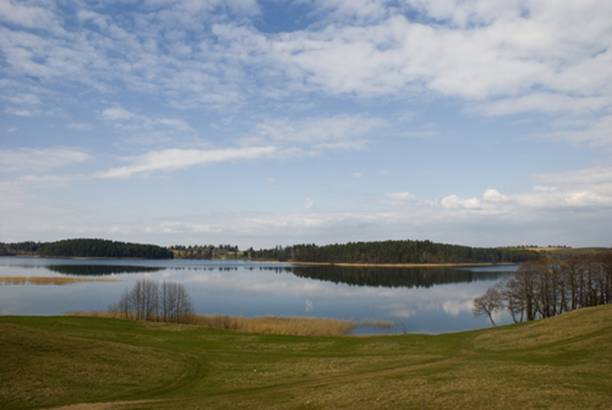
pixel 48 280
pixel 400 265
pixel 290 262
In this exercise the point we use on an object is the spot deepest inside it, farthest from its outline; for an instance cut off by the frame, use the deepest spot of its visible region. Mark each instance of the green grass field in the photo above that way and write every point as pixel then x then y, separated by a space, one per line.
pixel 564 362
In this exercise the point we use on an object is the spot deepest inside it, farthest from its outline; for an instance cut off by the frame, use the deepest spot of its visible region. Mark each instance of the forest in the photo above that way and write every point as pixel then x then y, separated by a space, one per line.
pixel 19 248
pixel 101 248
pixel 397 251
pixel 551 285
pixel 85 248
pixel 207 252
pixel 401 251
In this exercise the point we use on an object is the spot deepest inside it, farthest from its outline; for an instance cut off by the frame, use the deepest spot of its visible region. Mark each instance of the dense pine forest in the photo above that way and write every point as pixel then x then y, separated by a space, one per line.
pixel 87 248
pixel 406 251
pixel 101 248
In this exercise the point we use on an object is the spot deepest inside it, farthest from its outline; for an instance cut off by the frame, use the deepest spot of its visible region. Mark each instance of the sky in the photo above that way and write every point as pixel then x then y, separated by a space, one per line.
pixel 257 123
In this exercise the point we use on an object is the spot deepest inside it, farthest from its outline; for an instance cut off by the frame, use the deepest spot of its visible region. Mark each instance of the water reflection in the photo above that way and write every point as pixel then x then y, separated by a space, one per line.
pixel 415 300
pixel 387 277
pixel 100 270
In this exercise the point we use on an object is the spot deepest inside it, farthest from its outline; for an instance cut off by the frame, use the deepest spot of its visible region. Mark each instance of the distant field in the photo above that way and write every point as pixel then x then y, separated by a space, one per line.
pixel 563 362
pixel 569 251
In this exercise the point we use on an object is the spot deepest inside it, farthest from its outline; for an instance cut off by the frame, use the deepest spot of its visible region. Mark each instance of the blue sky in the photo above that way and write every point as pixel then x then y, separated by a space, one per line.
pixel 275 122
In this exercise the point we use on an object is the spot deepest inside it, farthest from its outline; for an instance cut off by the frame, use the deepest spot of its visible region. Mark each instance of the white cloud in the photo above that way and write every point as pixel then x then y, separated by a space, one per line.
pixel 116 114
pixel 497 57
pixel 547 103
pixel 544 188
pixel 28 16
pixel 31 159
pixel 493 195
pixel 595 131
pixel 174 159
pixel 582 177
pixel 359 10
pixel 141 127
pixel 81 126
pixel 19 112
pixel 309 203
pixel 455 202
pixel 400 196
pixel 23 99
pixel 587 189
pixel 175 123
pixel 501 54
pixel 318 133
pixel 13 199
pixel 491 200
pixel 522 221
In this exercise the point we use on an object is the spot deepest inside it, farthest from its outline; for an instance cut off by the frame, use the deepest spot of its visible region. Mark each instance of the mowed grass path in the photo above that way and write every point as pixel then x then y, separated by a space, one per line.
pixel 564 362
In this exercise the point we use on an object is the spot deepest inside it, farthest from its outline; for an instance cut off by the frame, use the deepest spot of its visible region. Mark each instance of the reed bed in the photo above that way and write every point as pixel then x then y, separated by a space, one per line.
pixel 294 326
pixel 297 326
pixel 46 280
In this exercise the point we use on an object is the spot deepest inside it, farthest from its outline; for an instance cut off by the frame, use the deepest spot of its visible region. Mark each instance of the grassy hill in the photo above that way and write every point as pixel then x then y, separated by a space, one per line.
pixel 562 362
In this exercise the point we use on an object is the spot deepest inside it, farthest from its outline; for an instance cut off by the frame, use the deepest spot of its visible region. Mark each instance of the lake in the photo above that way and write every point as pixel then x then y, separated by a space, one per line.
pixel 425 300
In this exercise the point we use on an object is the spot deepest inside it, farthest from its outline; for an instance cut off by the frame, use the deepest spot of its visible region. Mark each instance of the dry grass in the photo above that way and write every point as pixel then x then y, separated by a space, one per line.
pixel 297 326
pixel 46 280
pixel 40 369
pixel 562 362
pixel 93 313
pixel 547 332
pixel 274 325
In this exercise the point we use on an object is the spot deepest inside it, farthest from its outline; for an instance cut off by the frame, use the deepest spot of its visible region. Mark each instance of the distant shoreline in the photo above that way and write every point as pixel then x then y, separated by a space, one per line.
pixel 400 265
pixel 294 263
pixel 88 257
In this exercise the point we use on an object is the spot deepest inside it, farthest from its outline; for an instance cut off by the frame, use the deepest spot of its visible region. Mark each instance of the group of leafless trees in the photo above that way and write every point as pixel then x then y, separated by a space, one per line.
pixel 550 286
pixel 149 300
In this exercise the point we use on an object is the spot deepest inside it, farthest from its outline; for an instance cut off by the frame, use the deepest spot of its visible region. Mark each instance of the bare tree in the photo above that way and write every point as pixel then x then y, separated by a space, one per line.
pixel 515 302
pixel 552 285
pixel 175 302
pixel 147 300
pixel 489 303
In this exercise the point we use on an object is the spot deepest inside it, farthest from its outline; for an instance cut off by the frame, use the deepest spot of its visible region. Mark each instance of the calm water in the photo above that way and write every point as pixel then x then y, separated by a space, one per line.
pixel 415 300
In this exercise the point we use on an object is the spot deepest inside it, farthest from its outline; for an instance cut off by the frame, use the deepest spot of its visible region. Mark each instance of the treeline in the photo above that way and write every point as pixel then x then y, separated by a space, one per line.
pixel 149 300
pixel 406 251
pixel 542 247
pixel 101 248
pixel 86 248
pixel 550 286
pixel 207 252
pixel 20 248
